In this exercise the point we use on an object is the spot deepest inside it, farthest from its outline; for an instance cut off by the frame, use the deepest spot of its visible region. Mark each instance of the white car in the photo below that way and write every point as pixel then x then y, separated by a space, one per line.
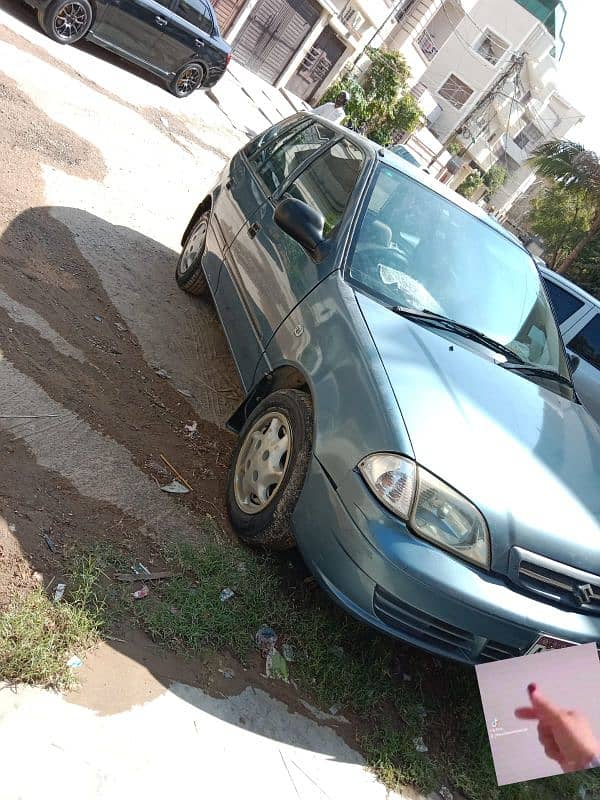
pixel 578 316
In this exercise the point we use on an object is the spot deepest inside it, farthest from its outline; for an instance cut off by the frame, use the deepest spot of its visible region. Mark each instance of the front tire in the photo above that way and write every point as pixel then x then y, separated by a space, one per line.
pixel 187 80
pixel 66 21
pixel 189 273
pixel 269 467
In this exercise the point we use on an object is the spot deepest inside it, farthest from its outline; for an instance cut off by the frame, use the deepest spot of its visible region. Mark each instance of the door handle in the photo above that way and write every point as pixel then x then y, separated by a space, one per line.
pixel 160 21
pixel 199 42
pixel 253 230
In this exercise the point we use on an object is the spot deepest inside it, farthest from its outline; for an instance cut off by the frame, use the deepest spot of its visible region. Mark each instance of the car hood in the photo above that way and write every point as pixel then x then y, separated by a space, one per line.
pixel 526 456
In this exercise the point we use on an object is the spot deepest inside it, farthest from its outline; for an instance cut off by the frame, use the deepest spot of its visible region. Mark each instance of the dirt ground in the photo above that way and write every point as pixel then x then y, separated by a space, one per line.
pixel 82 336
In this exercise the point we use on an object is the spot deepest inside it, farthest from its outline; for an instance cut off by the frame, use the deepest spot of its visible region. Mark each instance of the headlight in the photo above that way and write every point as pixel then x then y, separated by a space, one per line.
pixel 432 509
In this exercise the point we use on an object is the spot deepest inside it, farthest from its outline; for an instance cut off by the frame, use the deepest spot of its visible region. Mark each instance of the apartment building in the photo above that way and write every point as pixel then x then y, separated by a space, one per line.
pixel 302 45
pixel 485 75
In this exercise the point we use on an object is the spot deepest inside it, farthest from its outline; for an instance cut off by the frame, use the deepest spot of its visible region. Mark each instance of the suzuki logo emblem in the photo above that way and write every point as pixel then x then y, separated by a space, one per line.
pixel 585 593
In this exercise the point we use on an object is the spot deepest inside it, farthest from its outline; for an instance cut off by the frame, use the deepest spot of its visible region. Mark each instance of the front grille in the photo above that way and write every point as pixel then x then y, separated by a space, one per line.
pixel 454 642
pixel 556 582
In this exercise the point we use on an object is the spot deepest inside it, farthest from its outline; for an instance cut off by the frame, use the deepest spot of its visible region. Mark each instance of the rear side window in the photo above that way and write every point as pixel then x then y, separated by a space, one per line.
pixel 564 304
pixel 276 162
pixel 328 182
pixel 587 342
pixel 197 13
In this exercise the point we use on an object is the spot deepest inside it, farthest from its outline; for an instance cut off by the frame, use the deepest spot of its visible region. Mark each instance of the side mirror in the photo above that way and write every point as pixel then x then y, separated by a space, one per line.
pixel 573 361
pixel 300 221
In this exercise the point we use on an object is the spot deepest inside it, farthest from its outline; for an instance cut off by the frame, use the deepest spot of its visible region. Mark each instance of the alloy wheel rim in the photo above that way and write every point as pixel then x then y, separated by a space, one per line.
pixel 188 80
pixel 70 21
pixel 262 462
pixel 193 248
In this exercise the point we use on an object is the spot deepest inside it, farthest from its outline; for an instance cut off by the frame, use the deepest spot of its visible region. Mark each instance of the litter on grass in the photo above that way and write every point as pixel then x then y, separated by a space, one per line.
pixel 59 592
pixel 420 745
pixel 288 652
pixel 140 593
pixel 74 662
pixel 445 793
pixel 175 488
pixel 276 666
pixel 226 595
pixel 265 639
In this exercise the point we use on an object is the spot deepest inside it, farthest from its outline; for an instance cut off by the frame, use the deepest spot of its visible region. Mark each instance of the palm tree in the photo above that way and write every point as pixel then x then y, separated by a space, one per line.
pixel 577 170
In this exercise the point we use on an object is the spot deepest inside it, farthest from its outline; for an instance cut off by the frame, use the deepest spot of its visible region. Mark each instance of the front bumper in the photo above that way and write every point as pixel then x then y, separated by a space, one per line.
pixel 387 577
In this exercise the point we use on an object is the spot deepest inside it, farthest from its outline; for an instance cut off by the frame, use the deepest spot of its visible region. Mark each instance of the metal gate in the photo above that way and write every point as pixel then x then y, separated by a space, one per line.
pixel 227 11
pixel 316 65
pixel 272 35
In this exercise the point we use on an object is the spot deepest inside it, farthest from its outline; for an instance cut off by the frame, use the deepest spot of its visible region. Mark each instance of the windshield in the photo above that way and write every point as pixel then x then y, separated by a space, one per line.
pixel 417 249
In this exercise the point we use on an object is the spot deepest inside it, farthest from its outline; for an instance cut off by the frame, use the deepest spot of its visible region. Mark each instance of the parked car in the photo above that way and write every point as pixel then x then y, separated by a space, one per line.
pixel 409 418
pixel 178 40
pixel 578 315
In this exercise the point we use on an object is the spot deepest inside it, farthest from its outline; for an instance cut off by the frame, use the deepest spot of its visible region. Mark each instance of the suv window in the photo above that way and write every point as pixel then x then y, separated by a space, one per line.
pixel 564 304
pixel 328 182
pixel 587 342
pixel 197 13
pixel 276 162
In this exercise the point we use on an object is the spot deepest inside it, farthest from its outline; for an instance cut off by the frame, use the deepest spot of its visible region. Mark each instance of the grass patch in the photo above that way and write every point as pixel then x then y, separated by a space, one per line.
pixel 398 693
pixel 38 636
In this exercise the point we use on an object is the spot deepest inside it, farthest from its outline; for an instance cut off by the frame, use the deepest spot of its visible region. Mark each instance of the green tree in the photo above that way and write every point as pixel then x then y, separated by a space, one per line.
pixel 562 218
pixel 586 270
pixel 577 171
pixel 470 184
pixel 494 178
pixel 380 106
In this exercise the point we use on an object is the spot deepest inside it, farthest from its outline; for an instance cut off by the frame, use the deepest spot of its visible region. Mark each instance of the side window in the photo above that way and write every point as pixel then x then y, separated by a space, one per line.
pixel 587 342
pixel 276 162
pixel 265 137
pixel 197 13
pixel 328 182
pixel 564 304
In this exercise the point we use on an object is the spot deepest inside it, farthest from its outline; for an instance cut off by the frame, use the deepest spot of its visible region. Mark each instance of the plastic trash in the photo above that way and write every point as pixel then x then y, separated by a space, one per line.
pixel 98 319
pixel 50 542
pixel 191 428
pixel 420 745
pixel 12 527
pixel 175 488
pixel 227 673
pixel 74 662
pixel 277 666
pixel 162 373
pixel 140 593
pixel 226 595
pixel 287 652
pixel 265 639
pixel 59 592
pixel 445 793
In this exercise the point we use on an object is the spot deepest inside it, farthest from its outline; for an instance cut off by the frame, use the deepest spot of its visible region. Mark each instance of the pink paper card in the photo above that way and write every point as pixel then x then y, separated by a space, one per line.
pixel 568 679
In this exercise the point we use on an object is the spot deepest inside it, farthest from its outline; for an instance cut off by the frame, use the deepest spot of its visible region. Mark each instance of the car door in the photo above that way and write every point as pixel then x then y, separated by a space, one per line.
pixel 133 27
pixel 269 271
pixel 584 341
pixel 187 35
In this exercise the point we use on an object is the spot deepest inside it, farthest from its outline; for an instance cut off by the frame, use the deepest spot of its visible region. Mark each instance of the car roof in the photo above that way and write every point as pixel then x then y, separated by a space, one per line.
pixel 380 153
pixel 567 284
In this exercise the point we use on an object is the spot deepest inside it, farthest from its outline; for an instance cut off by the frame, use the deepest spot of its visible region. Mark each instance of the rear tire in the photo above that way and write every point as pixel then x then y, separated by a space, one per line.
pixel 269 467
pixel 66 21
pixel 187 80
pixel 189 273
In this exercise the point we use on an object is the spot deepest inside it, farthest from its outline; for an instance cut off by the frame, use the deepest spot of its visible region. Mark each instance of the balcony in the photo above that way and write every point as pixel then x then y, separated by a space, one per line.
pixel 427 46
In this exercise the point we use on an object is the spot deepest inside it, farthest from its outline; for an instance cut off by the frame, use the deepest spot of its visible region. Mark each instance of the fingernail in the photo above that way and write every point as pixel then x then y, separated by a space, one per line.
pixel 531 688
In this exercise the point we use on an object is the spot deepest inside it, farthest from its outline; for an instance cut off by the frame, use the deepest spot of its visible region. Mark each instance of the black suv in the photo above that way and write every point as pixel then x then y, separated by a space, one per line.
pixel 178 40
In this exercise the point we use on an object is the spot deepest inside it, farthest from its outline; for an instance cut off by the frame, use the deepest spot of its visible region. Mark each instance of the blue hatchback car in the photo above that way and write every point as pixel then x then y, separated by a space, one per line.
pixel 409 421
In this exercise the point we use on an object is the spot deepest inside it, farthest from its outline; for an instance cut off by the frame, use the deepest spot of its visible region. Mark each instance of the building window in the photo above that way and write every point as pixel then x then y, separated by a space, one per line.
pixel 528 137
pixel 504 159
pixel 491 47
pixel 455 91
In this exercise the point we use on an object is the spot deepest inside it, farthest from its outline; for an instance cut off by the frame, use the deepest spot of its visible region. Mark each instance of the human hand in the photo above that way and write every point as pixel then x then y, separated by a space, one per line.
pixel 565 735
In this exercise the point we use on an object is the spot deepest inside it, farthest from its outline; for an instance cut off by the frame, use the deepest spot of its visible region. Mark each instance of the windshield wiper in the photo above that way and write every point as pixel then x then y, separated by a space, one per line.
pixel 540 372
pixel 447 324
